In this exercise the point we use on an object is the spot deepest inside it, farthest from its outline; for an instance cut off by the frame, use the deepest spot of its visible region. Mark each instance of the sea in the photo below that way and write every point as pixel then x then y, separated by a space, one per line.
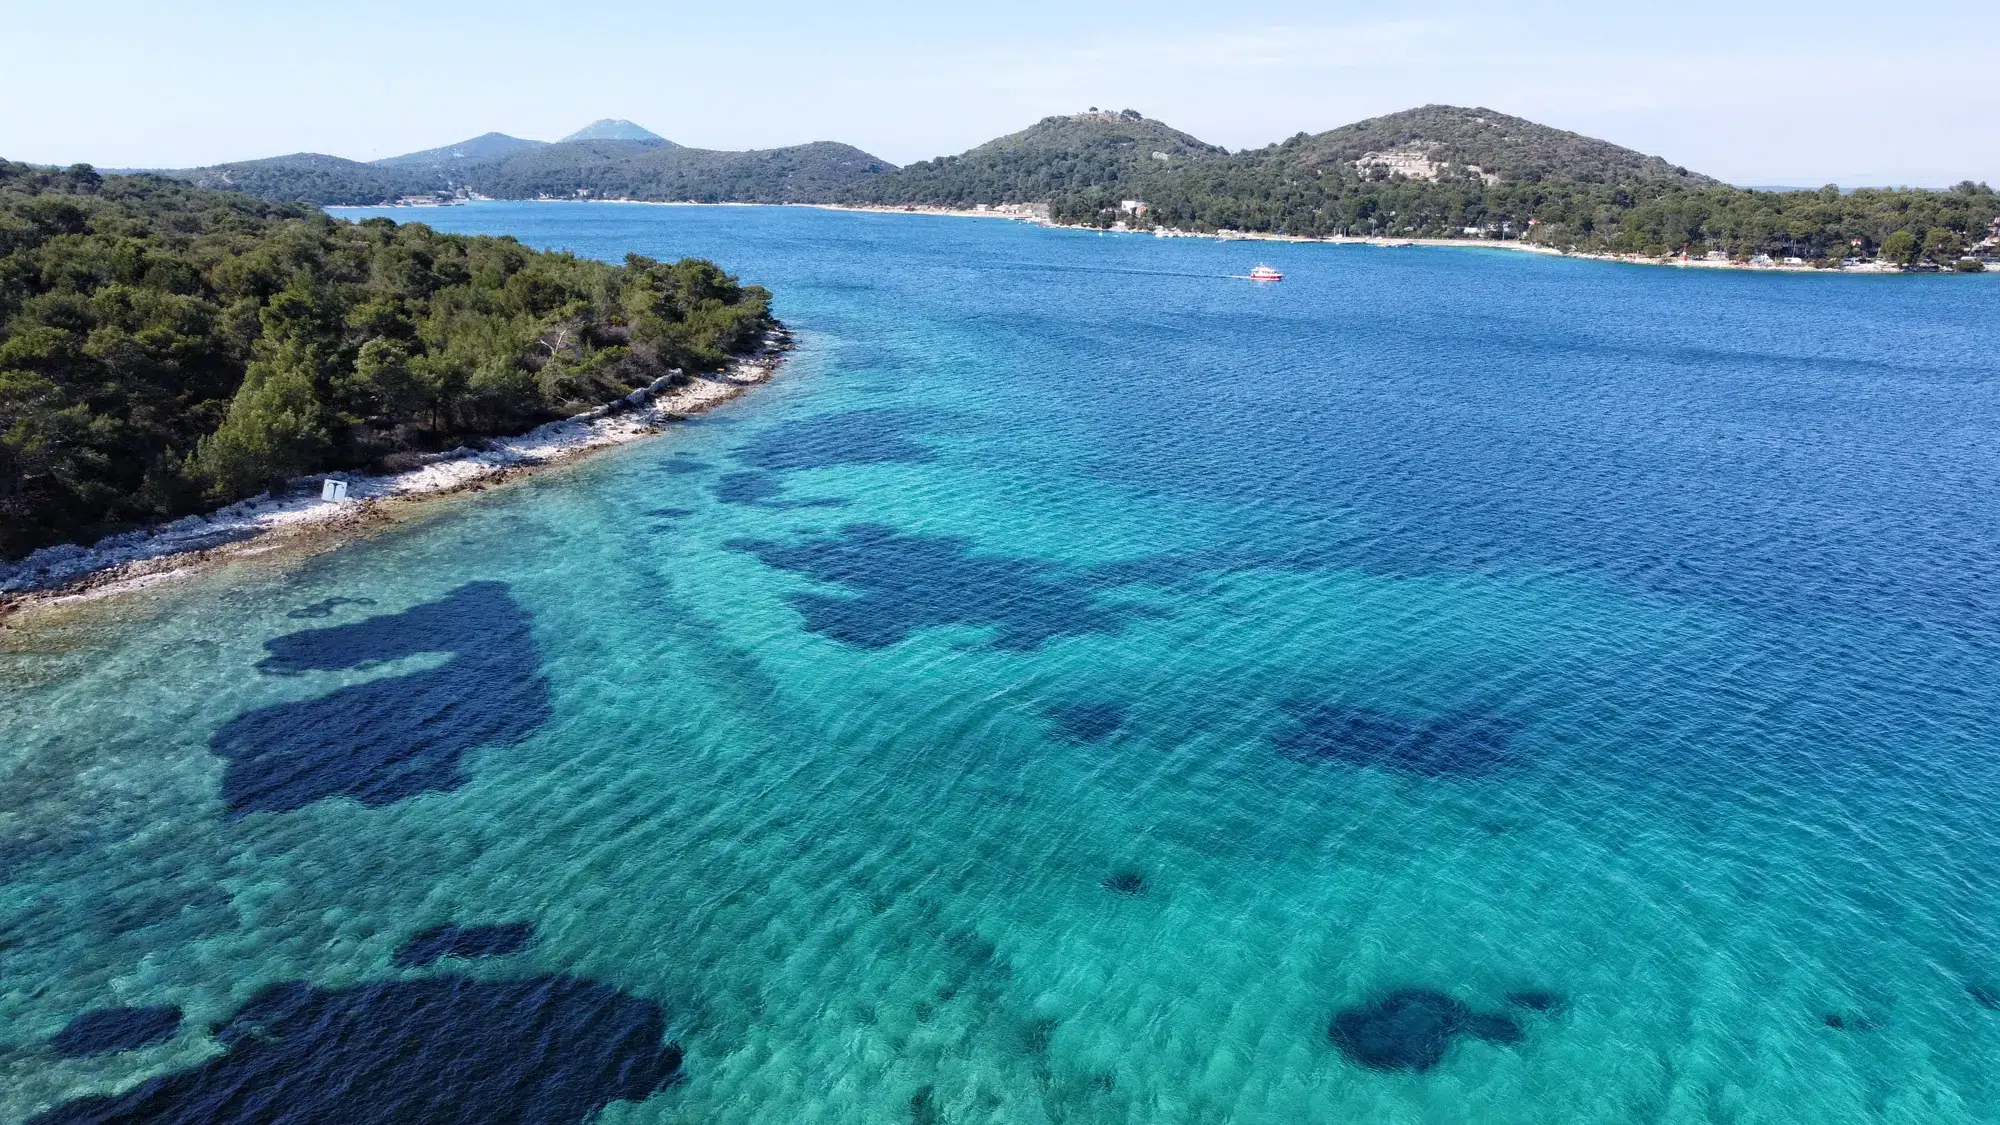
pixel 1449 685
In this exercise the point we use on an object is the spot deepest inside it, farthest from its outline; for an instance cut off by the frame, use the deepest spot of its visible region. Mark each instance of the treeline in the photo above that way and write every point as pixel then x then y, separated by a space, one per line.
pixel 308 177
pixel 596 169
pixel 1266 192
pixel 810 173
pixel 165 349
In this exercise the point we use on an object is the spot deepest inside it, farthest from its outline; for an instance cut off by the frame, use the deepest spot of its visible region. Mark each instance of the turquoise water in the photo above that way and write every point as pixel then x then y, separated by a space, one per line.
pixel 1082 686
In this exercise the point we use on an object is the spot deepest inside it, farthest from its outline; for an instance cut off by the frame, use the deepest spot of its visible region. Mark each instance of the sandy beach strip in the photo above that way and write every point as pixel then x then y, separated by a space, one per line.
pixel 136 560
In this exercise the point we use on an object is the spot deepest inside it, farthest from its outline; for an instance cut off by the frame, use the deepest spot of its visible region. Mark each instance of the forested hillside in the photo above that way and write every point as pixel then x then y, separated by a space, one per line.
pixel 1433 172
pixel 482 149
pixel 1513 149
pixel 1056 158
pixel 164 348
pixel 1448 172
pixel 811 173
pixel 310 177
pixel 508 168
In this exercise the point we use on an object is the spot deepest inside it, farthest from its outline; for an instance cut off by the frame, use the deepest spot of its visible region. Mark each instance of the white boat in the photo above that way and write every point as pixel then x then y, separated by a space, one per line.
pixel 1266 273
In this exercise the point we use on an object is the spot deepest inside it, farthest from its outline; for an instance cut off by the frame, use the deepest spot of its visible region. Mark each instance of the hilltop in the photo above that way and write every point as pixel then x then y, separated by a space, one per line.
pixel 1434 141
pixel 616 129
pixel 481 149
pixel 1092 158
pixel 1053 157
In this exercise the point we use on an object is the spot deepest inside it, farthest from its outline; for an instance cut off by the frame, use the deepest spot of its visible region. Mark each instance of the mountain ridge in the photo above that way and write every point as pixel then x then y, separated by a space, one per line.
pixel 1434 171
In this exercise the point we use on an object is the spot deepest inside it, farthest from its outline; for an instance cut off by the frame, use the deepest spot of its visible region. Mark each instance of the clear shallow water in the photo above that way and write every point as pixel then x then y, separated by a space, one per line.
pixel 1076 683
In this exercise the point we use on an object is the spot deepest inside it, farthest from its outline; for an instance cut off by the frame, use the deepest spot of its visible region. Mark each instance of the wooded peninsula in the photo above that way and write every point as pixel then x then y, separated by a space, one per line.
pixel 166 349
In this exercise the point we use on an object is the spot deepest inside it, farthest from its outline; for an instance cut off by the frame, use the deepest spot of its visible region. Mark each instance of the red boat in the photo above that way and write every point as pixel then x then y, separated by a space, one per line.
pixel 1266 273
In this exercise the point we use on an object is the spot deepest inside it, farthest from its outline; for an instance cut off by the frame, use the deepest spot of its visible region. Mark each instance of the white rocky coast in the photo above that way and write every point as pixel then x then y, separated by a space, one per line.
pixel 135 559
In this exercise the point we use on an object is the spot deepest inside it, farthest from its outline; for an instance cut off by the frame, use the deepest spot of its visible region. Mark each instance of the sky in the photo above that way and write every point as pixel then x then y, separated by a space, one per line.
pixel 1784 93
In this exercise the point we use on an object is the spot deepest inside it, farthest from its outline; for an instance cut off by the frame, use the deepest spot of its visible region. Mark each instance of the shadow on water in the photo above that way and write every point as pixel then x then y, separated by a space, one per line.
pixel 1539 1000
pixel 856 437
pixel 497 940
pixel 104 1030
pixel 902 583
pixel 1087 720
pixel 762 490
pixel 1464 743
pixel 681 465
pixel 550 1049
pixel 391 738
pixel 1128 883
pixel 325 608
pixel 1413 1029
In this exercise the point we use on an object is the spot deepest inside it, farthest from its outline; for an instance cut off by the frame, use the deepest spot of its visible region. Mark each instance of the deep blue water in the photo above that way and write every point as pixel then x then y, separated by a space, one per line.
pixel 1447 685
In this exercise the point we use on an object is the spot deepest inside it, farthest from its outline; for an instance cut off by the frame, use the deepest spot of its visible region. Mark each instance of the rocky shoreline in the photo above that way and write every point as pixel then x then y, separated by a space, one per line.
pixel 149 556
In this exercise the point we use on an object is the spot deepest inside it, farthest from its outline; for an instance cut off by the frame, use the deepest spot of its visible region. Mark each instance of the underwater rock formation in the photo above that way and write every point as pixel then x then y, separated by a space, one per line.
pixel 384 740
pixel 1129 883
pixel 1413 1029
pixel 104 1030
pixel 549 1050
pixel 1456 745
pixel 428 946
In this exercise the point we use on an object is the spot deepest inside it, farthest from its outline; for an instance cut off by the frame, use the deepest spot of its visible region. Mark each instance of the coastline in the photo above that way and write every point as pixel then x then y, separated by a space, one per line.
pixel 1038 214
pixel 1481 244
pixel 147 557
pixel 1523 247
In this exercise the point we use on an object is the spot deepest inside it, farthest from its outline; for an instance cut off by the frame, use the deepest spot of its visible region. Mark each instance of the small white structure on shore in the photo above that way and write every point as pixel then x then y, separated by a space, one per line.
pixel 333 490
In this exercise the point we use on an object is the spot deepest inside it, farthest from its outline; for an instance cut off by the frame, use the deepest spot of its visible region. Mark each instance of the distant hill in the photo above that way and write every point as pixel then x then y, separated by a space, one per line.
pixel 1054 157
pixel 310 177
pixel 1083 162
pixel 1428 141
pixel 809 173
pixel 616 129
pixel 1453 172
pixel 1436 171
pixel 512 168
pixel 482 149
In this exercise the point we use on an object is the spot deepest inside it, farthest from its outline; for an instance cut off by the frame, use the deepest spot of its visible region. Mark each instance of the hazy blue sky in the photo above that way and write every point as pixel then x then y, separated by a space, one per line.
pixel 1781 93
